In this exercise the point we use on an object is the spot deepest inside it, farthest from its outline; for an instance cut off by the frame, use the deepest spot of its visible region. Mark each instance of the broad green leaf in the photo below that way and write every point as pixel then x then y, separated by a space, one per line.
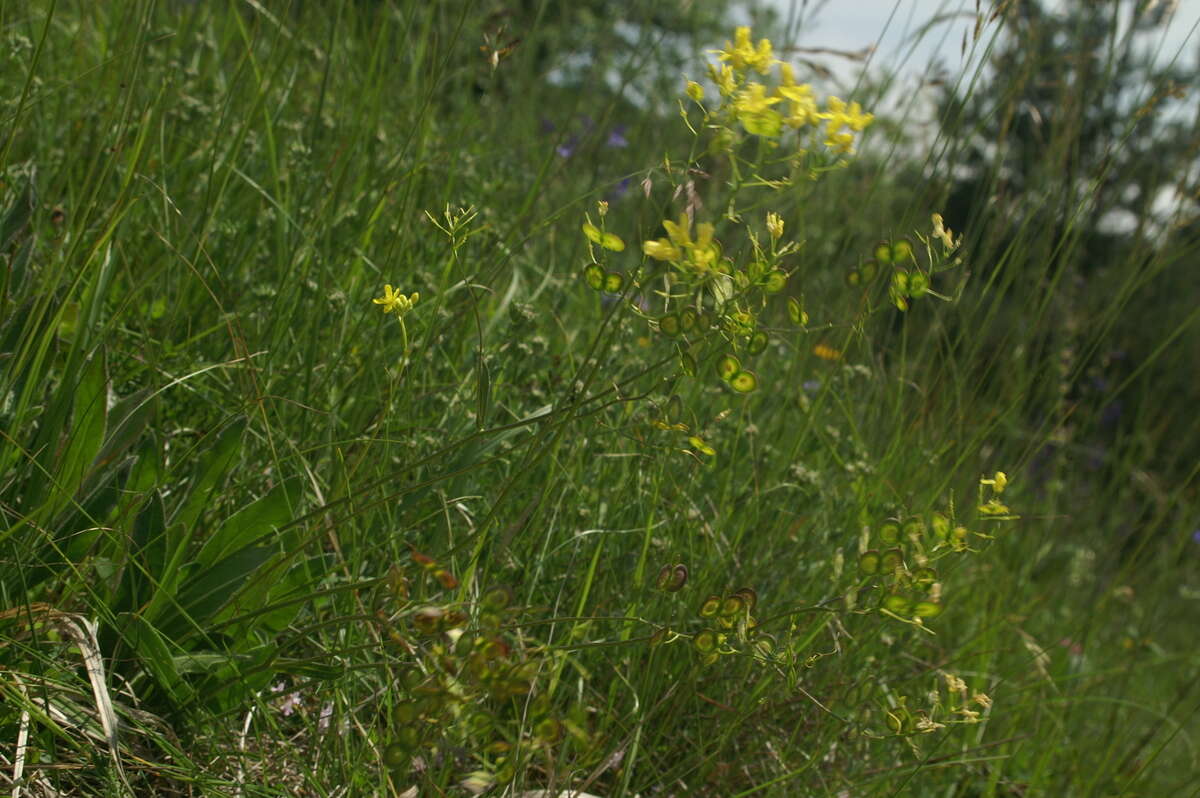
pixel 153 652
pixel 249 525
pixel 212 588
pixel 209 474
pixel 88 421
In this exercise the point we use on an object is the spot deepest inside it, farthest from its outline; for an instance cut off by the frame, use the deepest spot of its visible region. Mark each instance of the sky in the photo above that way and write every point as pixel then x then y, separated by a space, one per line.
pixel 890 25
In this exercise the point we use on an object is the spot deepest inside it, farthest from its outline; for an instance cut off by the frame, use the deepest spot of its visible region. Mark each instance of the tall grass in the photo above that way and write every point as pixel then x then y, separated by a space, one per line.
pixel 259 538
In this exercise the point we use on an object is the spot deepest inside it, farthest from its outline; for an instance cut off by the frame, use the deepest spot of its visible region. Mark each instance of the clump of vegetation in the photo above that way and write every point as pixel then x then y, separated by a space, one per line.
pixel 393 402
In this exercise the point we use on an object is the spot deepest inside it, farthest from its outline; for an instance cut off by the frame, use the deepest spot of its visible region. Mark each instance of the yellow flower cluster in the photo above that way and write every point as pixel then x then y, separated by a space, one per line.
pixel 396 302
pixel 701 253
pixel 751 102
pixel 743 55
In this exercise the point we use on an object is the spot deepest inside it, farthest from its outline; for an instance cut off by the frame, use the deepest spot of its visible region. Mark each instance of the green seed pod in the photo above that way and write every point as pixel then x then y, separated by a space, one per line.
pixel 883 253
pixel 764 646
pixel 409 738
pixel 924 577
pixel 669 325
pixel 594 275
pixel 796 311
pixel 927 609
pixel 406 712
pixel 854 278
pixel 743 381
pixel 775 282
pixel 868 563
pixel 940 525
pixel 732 606
pixel 497 598
pixel 547 731
pixel 613 282
pixel 710 607
pixel 902 250
pixel 918 285
pixel 749 596
pixel 728 366
pixel 758 342
pixel 869 271
pixel 706 642
pixel 889 533
pixel 898 604
pixel 687 319
pixel 891 561
pixel 687 364
pixel 409 678
pixel 396 755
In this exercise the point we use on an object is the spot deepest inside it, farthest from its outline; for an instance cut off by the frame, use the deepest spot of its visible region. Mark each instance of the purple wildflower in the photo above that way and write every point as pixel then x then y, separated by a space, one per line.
pixel 618 191
pixel 616 137
pixel 567 148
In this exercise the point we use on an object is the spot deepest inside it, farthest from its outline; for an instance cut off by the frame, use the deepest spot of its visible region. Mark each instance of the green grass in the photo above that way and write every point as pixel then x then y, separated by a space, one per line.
pixel 272 503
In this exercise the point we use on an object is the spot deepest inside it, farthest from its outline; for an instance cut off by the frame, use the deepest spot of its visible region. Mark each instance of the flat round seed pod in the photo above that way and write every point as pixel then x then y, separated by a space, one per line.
pixel 868 563
pixel 594 275
pixel 927 609
pixel 758 342
pixel 727 366
pixel 744 381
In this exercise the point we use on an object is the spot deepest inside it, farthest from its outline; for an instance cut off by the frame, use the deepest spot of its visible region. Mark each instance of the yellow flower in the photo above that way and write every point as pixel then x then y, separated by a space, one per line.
pixel 774 226
pixel 826 352
pixel 680 232
pixel 724 78
pixel 704 252
pixel 942 232
pixel 842 142
pixel 662 249
pixel 695 91
pixel 701 253
pixel 742 54
pixel 396 302
pixel 754 100
pixel 802 103
pixel 841 115
pixel 998 482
